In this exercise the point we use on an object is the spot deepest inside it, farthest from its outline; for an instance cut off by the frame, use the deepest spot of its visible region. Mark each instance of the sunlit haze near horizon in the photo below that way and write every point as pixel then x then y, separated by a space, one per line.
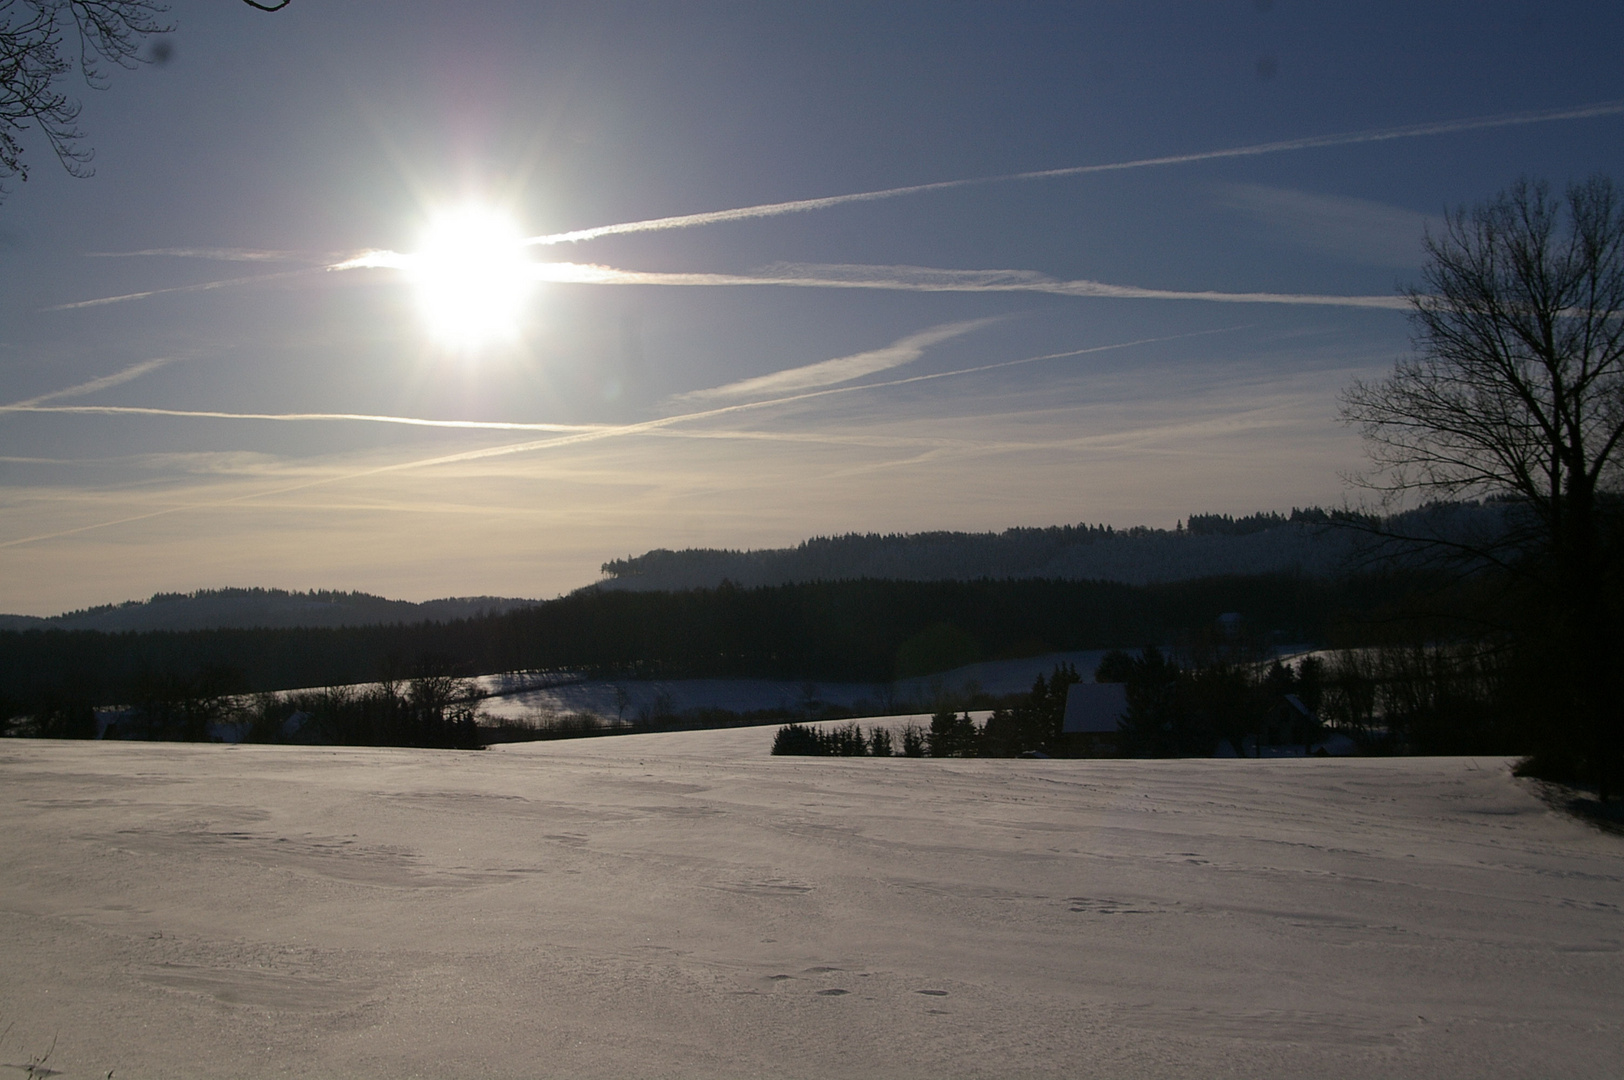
pixel 429 300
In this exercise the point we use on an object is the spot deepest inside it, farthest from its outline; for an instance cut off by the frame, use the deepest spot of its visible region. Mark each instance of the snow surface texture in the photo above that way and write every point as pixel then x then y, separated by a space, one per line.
pixel 686 905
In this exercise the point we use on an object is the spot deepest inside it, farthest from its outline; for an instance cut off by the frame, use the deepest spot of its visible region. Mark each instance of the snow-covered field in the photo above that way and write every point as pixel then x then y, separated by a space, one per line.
pixel 685 905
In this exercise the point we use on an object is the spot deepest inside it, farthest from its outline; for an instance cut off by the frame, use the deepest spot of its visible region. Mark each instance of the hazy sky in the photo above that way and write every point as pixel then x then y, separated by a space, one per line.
pixel 1127 345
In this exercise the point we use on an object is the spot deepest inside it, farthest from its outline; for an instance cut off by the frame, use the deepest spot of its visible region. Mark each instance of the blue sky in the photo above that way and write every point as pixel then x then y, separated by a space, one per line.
pixel 695 402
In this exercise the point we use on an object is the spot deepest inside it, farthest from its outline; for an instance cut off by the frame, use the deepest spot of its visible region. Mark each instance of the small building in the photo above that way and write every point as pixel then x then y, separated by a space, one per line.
pixel 1291 729
pixel 1093 722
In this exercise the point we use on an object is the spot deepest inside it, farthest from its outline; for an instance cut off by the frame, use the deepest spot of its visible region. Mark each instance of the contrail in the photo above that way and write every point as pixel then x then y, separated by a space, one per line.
pixel 801 206
pixel 890 278
pixel 824 373
pixel 203 287
pixel 134 371
pixel 927 279
pixel 219 255
pixel 204 414
pixel 842 368
pixel 804 205
pixel 600 433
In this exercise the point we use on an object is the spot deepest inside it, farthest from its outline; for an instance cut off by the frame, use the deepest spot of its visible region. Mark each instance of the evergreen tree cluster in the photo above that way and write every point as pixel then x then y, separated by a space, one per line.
pixel 1179 710
pixel 1401 697
pixel 845 740
pixel 1033 723
pixel 1029 725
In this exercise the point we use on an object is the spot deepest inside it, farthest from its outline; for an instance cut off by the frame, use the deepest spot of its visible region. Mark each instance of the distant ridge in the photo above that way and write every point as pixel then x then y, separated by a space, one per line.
pixel 219 609
pixel 1305 541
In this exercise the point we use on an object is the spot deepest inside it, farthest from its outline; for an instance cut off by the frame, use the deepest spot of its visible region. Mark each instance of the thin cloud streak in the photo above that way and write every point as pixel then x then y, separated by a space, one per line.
pixel 817 276
pixel 202 287
pixel 1370 232
pixel 799 206
pixel 594 435
pixel 1230 416
pixel 134 371
pixel 395 260
pixel 205 414
pixel 218 255
pixel 842 368
pixel 928 279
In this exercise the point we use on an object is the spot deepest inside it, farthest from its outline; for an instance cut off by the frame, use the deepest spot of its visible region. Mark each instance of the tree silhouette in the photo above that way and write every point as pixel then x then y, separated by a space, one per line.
pixel 44 42
pixel 1516 391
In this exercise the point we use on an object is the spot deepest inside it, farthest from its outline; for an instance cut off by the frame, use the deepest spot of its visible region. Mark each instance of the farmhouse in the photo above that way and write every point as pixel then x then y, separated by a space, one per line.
pixel 1094 713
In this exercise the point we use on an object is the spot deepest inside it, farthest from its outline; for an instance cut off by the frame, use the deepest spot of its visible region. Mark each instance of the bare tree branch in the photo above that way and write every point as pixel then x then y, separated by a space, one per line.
pixel 1515 390
pixel 44 42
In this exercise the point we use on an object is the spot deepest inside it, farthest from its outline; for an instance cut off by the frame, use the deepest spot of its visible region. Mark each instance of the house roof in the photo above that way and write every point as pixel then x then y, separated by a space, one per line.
pixel 1094 708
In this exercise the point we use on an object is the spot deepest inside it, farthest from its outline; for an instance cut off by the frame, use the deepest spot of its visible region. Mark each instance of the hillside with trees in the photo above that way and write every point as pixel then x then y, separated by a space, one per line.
pixel 855 631
pixel 211 609
pixel 1309 542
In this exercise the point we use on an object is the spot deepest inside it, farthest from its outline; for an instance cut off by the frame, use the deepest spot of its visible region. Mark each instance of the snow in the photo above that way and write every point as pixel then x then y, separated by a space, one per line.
pixel 1095 708
pixel 686 905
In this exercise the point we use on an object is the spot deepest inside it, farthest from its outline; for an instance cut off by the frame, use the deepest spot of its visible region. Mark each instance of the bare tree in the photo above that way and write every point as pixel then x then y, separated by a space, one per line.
pixel 44 43
pixel 1515 389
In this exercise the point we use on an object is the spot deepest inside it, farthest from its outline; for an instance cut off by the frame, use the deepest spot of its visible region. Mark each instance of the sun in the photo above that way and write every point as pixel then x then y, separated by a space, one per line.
pixel 472 278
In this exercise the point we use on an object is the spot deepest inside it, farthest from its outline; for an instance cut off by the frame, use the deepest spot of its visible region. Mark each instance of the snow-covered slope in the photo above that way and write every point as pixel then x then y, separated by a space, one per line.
pixel 687 906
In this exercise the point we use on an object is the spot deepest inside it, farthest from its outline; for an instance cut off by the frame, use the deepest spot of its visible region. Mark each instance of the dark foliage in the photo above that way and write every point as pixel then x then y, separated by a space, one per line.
pixel 1427 698
pixel 1515 391
pixel 1222 695
pixel 53 716
pixel 952 734
pixel 844 741
pixel 1114 667
pixel 852 630
pixel 1033 723
pixel 798 739
pixel 173 708
pixel 1056 552
pixel 1158 723
pixel 429 711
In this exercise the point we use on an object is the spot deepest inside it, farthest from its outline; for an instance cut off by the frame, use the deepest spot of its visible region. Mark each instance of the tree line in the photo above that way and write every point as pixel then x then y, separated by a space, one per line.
pixel 1396 698
pixel 1030 724
pixel 837 631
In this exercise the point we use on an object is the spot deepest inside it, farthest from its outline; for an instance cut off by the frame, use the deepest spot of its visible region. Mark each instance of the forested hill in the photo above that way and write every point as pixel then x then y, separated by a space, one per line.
pixel 211 609
pixel 850 631
pixel 1306 542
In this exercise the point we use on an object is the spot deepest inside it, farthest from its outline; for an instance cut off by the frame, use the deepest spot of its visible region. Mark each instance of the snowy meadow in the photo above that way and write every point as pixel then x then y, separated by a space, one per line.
pixel 684 904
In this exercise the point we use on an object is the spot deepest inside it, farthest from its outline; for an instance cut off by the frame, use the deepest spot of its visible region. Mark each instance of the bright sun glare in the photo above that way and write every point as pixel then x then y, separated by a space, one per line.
pixel 472 278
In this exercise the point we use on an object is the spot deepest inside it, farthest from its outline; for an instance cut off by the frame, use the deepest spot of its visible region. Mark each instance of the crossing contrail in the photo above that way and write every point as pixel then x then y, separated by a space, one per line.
pixel 583 436
pixel 819 276
pixel 379 259
pixel 1349 138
